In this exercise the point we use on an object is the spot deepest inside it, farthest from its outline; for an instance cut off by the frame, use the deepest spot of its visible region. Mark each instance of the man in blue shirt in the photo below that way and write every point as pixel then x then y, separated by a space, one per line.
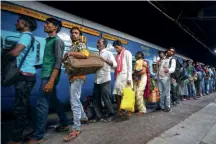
pixel 26 79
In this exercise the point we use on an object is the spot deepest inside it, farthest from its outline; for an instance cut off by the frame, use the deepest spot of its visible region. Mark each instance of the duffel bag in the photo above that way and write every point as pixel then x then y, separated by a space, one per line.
pixel 76 67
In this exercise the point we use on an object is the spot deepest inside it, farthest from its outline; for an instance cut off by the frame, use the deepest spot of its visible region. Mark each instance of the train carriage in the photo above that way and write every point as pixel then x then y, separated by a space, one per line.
pixel 10 12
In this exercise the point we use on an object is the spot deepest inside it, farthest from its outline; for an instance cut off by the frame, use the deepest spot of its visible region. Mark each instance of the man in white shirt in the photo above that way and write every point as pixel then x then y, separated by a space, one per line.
pixel 159 59
pixel 123 72
pixel 164 79
pixel 102 82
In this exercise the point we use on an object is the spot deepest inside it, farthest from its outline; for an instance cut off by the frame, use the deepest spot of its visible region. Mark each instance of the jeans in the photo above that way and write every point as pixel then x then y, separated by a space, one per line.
pixel 198 86
pixel 215 85
pixel 76 105
pixel 102 91
pixel 174 95
pixel 23 86
pixel 191 89
pixel 203 86
pixel 211 85
pixel 207 86
pixel 42 110
pixel 164 88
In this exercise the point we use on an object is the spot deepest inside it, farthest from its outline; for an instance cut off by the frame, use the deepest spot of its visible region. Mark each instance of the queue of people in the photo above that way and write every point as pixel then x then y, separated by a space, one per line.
pixel 199 81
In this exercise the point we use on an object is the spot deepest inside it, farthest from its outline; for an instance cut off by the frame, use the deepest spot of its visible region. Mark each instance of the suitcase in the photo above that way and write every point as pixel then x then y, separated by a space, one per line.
pixel 76 67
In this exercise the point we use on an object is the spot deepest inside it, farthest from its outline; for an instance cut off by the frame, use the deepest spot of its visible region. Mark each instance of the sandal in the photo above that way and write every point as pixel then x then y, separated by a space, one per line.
pixel 118 118
pixel 93 121
pixel 139 113
pixel 84 120
pixel 73 134
pixel 125 117
pixel 109 119
pixel 102 120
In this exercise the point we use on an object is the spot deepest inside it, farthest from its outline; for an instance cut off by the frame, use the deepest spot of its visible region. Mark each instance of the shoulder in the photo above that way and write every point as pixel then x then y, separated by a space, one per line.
pixel 127 52
pixel 81 45
pixel 173 59
pixel 58 39
pixel 26 37
pixel 108 52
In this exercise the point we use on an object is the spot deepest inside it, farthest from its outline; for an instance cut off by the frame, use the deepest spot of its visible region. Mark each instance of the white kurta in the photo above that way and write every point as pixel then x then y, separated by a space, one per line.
pixel 124 75
pixel 104 74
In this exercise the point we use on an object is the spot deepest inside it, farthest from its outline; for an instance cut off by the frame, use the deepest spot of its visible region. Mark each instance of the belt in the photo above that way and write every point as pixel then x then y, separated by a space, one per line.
pixel 26 73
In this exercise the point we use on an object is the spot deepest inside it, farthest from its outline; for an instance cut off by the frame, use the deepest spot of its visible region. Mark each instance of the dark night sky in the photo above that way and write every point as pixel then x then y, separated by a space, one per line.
pixel 142 20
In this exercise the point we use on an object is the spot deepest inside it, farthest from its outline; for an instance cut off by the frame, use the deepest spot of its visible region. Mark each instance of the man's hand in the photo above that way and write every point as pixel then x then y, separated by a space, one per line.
pixel 102 59
pixel 166 70
pixel 110 63
pixel 65 56
pixel 48 87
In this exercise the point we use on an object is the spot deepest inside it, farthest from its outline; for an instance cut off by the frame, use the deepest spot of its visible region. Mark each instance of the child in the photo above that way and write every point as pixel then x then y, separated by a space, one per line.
pixel 139 66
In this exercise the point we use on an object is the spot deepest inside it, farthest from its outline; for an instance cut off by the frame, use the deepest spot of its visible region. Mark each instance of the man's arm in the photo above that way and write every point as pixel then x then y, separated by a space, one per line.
pixel 111 62
pixel 129 65
pixel 58 51
pixel 24 41
pixel 173 66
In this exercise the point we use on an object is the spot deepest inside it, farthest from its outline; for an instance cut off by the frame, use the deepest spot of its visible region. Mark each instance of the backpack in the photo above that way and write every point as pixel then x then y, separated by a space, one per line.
pixel 179 70
pixel 184 74
pixel 9 68
pixel 10 42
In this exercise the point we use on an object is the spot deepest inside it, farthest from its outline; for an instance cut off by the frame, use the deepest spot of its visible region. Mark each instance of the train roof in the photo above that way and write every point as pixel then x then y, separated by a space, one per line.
pixel 70 17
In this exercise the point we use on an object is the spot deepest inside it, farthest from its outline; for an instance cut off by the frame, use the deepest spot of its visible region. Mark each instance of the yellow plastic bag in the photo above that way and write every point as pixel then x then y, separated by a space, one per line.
pixel 128 99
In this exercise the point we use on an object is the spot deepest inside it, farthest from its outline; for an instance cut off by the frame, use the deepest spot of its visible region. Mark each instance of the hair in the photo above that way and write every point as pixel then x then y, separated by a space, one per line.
pixel 55 22
pixel 31 22
pixel 188 60
pixel 105 42
pixel 76 28
pixel 141 53
pixel 117 43
pixel 173 49
pixel 161 52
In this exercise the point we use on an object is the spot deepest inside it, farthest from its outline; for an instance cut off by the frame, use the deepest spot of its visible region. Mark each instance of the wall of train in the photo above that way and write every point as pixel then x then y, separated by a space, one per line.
pixel 9 15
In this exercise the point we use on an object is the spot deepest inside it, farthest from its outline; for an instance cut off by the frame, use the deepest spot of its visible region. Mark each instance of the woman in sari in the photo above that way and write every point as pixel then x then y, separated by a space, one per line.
pixel 140 81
